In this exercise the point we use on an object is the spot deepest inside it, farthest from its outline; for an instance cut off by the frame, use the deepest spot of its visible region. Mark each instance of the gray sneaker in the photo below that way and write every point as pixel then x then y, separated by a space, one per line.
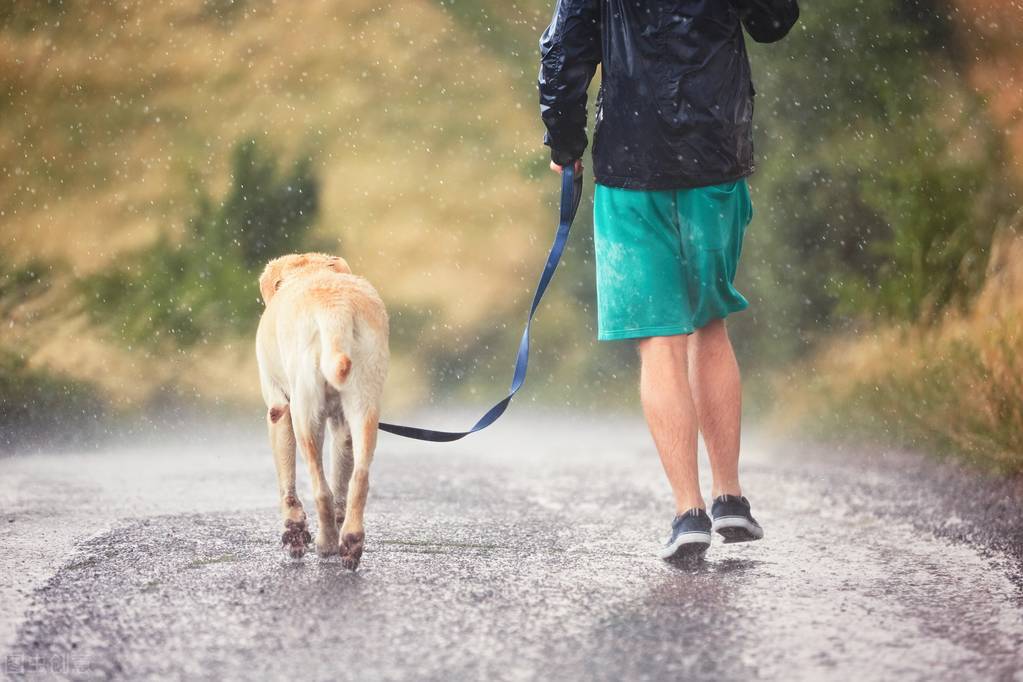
pixel 733 520
pixel 690 536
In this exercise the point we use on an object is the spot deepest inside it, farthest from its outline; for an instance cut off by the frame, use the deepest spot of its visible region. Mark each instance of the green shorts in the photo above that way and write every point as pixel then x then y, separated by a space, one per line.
pixel 666 260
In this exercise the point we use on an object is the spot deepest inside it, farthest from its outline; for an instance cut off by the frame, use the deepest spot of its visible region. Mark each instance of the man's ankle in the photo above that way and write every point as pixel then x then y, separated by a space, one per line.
pixel 682 506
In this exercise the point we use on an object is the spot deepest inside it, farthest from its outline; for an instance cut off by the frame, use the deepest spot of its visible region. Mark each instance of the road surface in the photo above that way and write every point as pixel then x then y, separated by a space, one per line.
pixel 521 553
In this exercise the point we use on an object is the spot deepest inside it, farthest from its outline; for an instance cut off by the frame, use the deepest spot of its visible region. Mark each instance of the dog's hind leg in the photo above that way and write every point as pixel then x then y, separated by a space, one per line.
pixel 341 464
pixel 282 440
pixel 363 422
pixel 309 432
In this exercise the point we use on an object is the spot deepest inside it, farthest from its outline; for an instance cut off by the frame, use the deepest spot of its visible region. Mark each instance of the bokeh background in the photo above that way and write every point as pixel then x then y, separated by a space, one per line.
pixel 153 155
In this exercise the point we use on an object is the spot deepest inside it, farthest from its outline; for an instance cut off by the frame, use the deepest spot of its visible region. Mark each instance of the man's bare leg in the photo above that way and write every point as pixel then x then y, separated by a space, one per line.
pixel 717 392
pixel 671 414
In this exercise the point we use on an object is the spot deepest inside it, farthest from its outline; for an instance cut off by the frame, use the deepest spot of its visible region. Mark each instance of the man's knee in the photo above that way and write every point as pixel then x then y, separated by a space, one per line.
pixel 663 349
pixel 711 337
pixel 712 328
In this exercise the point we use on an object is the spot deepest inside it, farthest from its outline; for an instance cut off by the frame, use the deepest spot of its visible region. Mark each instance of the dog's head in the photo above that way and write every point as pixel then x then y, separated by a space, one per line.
pixel 284 268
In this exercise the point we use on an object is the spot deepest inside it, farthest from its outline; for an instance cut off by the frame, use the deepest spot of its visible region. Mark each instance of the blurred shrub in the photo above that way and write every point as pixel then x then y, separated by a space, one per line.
pixel 940 220
pixel 223 12
pixel 26 15
pixel 185 291
pixel 21 283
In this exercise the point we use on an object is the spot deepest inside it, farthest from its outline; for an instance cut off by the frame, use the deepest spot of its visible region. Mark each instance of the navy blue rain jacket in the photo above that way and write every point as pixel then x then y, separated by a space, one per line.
pixel 675 107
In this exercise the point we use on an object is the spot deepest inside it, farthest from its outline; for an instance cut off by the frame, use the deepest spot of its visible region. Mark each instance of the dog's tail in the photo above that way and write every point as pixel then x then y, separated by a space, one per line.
pixel 335 347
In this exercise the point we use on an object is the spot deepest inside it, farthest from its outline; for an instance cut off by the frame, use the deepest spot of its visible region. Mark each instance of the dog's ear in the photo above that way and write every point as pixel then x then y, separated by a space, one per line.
pixel 270 280
pixel 339 265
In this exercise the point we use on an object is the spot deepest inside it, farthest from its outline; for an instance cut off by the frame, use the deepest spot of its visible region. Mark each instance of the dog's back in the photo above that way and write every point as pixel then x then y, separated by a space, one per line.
pixel 326 327
pixel 323 326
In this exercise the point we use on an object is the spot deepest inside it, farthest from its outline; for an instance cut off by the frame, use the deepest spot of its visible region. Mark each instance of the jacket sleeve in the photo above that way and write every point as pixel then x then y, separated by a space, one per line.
pixel 569 54
pixel 767 20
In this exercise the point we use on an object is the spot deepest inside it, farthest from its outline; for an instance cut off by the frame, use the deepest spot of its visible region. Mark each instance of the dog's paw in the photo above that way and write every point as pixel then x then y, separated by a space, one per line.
pixel 296 538
pixel 351 549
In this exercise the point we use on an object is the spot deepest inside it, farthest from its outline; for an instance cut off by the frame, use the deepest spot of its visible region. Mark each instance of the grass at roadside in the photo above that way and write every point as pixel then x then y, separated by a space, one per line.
pixel 954 387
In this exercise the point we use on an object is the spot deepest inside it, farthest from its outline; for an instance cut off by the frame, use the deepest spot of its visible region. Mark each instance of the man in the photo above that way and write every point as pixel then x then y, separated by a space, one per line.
pixel 672 148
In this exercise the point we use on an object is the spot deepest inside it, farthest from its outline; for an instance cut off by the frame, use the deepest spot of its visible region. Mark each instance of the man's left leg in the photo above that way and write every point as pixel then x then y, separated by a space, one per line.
pixel 671 416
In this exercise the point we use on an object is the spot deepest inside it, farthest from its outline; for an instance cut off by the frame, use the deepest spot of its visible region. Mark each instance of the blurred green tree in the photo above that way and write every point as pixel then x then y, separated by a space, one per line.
pixel 264 213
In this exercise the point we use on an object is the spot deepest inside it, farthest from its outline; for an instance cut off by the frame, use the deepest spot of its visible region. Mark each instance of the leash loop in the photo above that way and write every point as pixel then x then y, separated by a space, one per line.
pixel 571 193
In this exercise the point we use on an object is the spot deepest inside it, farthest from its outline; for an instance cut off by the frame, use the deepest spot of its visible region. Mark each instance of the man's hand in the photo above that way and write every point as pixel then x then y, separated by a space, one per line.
pixel 578 167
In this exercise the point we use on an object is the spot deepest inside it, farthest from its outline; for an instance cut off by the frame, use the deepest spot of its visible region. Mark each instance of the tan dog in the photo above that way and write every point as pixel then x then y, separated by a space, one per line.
pixel 323 353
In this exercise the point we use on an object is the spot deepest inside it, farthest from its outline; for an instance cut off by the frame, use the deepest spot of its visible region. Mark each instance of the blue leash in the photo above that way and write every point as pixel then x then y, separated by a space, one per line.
pixel 571 192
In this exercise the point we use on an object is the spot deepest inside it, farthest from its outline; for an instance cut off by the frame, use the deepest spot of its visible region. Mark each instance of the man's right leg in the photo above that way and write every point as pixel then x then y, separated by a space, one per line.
pixel 718 395
pixel 671 414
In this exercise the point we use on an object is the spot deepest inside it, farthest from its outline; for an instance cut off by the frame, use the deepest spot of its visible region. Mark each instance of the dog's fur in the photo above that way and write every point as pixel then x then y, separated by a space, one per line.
pixel 322 347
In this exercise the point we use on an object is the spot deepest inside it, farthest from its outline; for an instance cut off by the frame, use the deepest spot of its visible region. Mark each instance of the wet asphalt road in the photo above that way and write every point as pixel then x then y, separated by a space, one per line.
pixel 522 553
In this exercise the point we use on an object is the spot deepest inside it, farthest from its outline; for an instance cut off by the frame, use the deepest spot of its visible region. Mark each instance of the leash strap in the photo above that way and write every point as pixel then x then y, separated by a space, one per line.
pixel 571 193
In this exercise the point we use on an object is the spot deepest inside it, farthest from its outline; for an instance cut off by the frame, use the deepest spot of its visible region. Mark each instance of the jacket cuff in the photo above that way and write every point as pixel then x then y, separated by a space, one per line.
pixel 562 158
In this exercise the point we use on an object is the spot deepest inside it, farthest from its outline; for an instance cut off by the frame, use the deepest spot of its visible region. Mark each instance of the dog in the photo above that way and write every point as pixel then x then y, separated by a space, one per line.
pixel 322 348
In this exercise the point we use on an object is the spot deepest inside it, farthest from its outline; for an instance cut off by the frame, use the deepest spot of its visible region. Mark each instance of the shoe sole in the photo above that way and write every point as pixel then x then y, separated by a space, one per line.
pixel 686 545
pixel 737 529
